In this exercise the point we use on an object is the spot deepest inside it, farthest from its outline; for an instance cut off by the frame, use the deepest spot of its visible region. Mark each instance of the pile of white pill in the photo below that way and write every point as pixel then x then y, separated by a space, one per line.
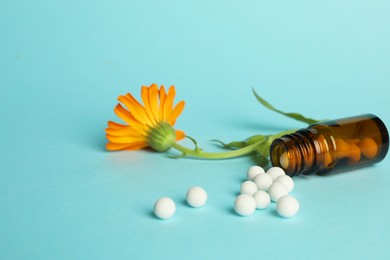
pixel 165 207
pixel 255 193
pixel 263 187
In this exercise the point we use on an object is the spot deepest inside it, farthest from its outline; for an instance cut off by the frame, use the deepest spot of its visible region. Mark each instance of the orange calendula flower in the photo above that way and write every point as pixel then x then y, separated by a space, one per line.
pixel 148 125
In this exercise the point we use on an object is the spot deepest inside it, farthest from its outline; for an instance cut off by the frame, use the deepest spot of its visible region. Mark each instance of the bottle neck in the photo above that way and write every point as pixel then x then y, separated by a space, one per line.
pixel 298 153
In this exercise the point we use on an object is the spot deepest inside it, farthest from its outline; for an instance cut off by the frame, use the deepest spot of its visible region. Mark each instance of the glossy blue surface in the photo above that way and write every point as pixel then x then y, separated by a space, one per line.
pixel 63 63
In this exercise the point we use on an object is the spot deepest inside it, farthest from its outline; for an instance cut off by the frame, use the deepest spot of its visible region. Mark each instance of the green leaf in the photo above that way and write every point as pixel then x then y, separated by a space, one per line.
pixel 295 116
pixel 231 145
pixel 264 151
pixel 260 159
pixel 241 144
pixel 255 139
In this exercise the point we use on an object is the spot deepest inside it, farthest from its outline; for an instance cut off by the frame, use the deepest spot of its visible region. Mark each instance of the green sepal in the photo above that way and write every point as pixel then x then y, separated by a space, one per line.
pixel 161 137
pixel 197 149
pixel 241 144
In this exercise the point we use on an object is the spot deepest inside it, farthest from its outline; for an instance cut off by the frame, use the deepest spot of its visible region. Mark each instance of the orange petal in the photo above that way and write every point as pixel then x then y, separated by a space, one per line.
pixel 180 135
pixel 125 139
pixel 137 146
pixel 135 108
pixel 123 114
pixel 153 102
pixel 116 147
pixel 176 112
pixel 112 124
pixel 145 99
pixel 127 130
pixel 163 95
pixel 128 117
pixel 169 102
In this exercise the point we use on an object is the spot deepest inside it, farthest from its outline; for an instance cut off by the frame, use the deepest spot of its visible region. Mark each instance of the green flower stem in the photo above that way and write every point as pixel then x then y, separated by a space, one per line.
pixel 198 153
pixel 214 156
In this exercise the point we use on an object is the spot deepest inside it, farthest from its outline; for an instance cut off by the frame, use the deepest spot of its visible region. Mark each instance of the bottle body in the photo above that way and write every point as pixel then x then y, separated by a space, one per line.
pixel 332 146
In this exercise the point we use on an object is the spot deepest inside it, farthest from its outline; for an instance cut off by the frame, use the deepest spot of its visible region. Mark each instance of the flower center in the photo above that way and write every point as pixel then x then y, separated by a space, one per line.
pixel 161 137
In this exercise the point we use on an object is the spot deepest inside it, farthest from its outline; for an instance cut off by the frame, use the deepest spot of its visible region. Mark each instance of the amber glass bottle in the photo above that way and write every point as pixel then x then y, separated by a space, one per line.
pixel 332 146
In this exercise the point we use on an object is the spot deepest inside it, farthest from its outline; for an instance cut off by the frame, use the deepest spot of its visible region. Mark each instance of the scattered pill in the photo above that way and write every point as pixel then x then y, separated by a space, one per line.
pixel 248 187
pixel 245 205
pixel 287 206
pixel 164 208
pixel 263 181
pixel 287 181
pixel 275 172
pixel 196 197
pixel 262 199
pixel 276 191
pixel 254 171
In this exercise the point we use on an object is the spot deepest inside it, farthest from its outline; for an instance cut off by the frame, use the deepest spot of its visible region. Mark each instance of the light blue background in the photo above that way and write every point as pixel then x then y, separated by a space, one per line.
pixel 62 65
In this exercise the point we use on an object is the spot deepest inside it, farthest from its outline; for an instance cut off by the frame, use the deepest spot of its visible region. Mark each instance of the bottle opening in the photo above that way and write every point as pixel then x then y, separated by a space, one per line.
pixel 282 157
pixel 294 153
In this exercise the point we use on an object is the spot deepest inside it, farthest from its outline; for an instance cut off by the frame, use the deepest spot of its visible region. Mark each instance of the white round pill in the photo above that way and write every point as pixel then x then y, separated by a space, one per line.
pixel 286 181
pixel 196 197
pixel 263 181
pixel 262 199
pixel 248 187
pixel 254 171
pixel 164 208
pixel 275 172
pixel 276 191
pixel 245 205
pixel 287 206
